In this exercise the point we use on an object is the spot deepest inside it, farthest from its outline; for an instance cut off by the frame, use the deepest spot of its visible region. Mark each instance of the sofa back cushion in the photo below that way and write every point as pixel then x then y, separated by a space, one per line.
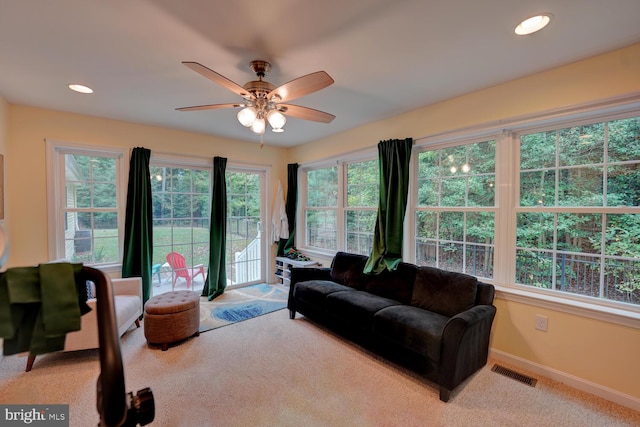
pixel 347 269
pixel 443 292
pixel 396 285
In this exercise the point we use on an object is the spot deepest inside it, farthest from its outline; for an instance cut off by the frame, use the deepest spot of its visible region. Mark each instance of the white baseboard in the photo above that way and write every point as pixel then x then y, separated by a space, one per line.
pixel 568 379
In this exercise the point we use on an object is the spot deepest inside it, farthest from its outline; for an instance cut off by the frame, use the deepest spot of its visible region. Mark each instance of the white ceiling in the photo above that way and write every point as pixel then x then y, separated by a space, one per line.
pixel 386 57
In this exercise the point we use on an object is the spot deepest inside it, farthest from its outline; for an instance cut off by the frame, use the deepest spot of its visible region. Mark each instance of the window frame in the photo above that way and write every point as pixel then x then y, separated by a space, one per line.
pixel 342 203
pixel 56 194
pixel 554 295
pixel 436 144
pixel 161 160
pixel 265 226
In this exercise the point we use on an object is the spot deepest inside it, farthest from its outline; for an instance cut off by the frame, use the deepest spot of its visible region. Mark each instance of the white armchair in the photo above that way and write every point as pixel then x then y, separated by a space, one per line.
pixel 127 295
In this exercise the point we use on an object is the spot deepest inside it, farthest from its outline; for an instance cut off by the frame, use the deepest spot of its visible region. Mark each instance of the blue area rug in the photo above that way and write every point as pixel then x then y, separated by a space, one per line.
pixel 241 304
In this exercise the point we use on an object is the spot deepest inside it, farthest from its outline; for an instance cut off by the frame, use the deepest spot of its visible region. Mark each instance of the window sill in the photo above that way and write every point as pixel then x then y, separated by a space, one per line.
pixel 107 269
pixel 580 308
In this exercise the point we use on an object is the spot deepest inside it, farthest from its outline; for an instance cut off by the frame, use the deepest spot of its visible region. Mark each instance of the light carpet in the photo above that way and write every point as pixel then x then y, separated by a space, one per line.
pixel 237 305
pixel 273 371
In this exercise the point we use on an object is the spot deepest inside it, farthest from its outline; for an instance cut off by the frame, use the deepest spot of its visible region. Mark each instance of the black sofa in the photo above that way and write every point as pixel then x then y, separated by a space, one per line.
pixel 437 322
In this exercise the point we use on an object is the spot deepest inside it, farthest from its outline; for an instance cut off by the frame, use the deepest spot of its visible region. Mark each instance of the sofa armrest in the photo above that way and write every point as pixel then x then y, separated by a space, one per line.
pixel 127 286
pixel 465 345
pixel 300 274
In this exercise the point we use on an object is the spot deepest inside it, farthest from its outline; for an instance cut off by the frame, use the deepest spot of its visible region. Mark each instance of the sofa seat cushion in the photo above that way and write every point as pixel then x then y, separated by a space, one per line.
pixel 356 308
pixel 412 328
pixel 314 292
pixel 444 292
pixel 127 306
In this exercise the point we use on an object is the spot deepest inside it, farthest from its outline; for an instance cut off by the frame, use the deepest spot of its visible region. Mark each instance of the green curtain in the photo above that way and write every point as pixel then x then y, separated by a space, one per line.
pixel 138 237
pixel 216 280
pixel 393 159
pixel 290 207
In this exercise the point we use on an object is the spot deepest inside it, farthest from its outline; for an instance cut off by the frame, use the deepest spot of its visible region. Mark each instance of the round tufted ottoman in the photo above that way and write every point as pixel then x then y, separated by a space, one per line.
pixel 171 317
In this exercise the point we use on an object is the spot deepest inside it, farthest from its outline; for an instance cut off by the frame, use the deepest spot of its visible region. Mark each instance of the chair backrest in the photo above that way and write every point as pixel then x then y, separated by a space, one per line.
pixel 176 260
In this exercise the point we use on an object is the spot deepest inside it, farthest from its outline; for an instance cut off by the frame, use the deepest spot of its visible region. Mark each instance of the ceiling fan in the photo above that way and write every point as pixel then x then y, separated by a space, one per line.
pixel 263 101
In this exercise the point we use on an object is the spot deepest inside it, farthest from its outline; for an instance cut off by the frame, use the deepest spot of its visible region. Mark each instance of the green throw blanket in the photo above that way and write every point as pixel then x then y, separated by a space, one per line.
pixel 40 305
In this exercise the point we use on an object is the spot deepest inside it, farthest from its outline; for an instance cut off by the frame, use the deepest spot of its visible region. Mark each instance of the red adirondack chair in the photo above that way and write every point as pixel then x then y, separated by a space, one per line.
pixel 179 266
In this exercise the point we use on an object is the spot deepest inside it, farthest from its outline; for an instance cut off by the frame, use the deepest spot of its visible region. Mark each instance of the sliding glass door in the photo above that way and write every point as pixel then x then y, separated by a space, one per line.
pixel 245 218
pixel 181 215
pixel 181 192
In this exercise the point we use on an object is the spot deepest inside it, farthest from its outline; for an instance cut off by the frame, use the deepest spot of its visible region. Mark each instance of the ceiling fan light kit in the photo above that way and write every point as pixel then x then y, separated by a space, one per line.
pixel 262 100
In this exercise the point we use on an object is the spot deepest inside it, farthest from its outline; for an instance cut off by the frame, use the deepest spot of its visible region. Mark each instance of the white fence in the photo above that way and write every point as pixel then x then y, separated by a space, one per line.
pixel 248 262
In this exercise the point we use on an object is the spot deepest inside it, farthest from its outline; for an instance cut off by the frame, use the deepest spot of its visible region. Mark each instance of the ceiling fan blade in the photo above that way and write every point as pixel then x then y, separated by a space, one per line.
pixel 302 86
pixel 218 78
pixel 306 113
pixel 209 107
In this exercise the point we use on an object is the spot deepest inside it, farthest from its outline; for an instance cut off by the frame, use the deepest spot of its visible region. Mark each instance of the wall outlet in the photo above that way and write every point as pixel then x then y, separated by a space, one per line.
pixel 542 322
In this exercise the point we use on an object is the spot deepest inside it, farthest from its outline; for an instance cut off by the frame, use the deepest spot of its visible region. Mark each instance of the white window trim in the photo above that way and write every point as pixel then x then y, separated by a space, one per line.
pixel 569 305
pixel 301 217
pixel 56 176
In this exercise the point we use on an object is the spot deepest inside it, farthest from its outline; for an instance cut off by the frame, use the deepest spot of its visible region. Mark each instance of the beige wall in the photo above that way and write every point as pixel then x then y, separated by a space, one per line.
pixel 26 172
pixel 3 125
pixel 3 149
pixel 594 351
pixel 4 130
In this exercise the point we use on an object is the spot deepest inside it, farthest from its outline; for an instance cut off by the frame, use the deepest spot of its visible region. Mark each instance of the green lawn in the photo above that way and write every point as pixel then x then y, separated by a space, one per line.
pixel 106 246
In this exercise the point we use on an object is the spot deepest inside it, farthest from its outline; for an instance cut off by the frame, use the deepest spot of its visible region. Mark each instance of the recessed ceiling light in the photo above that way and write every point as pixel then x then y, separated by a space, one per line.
pixel 80 88
pixel 533 24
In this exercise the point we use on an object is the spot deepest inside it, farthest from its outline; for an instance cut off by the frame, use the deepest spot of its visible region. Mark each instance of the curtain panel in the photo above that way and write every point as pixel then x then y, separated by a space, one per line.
pixel 290 208
pixel 216 281
pixel 393 157
pixel 138 236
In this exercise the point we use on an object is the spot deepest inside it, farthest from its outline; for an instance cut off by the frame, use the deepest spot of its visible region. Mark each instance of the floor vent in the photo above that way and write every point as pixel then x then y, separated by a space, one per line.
pixel 514 375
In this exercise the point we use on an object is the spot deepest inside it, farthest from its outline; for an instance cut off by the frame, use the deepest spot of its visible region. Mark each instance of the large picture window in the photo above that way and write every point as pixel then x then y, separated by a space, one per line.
pixel 578 221
pixel 455 208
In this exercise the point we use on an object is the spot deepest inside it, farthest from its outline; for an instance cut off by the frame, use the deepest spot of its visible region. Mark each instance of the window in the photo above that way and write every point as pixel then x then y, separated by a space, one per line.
pixel 321 215
pixel 341 197
pixel 455 208
pixel 578 220
pixel 363 193
pixel 86 203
